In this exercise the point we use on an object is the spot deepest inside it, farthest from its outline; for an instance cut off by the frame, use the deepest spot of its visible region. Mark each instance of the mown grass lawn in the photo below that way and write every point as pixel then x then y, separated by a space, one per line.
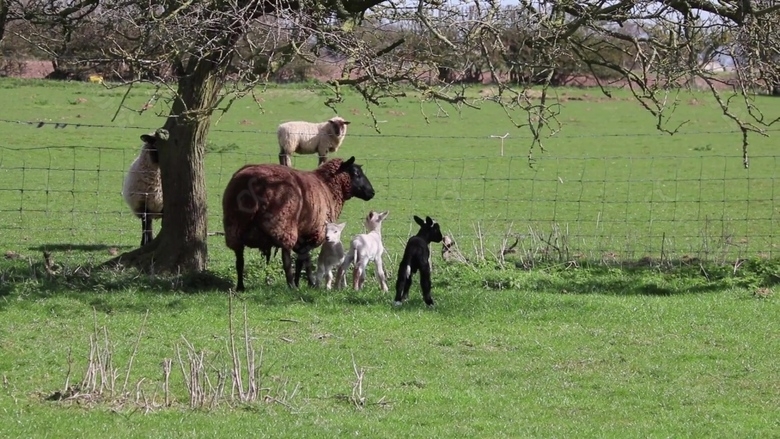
pixel 601 344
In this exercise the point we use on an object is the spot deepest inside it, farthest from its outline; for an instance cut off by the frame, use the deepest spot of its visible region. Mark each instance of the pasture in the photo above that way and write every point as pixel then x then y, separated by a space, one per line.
pixel 637 299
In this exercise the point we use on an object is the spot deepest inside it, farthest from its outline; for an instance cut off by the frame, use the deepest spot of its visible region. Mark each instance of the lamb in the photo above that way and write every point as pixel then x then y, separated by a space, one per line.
pixel 417 257
pixel 142 187
pixel 331 255
pixel 273 206
pixel 364 248
pixel 310 137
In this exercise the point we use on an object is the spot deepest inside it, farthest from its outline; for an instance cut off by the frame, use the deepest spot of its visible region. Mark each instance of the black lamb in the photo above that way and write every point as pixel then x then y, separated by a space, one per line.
pixel 417 257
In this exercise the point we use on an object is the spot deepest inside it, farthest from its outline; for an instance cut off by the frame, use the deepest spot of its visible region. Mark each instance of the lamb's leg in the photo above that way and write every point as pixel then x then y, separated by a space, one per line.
pixel 322 159
pixel 341 281
pixel 356 275
pixel 328 279
pixel 240 269
pixel 380 274
pixel 400 284
pixel 288 268
pixel 425 284
pixel 319 274
pixel 407 287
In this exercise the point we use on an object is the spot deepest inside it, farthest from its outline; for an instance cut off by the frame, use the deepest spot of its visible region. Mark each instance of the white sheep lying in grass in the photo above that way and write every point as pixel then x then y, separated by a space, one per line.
pixel 310 137
pixel 142 188
pixel 363 249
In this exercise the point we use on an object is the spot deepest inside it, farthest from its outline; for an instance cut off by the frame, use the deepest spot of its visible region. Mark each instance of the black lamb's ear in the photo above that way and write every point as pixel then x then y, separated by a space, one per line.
pixel 428 221
pixel 419 220
pixel 148 139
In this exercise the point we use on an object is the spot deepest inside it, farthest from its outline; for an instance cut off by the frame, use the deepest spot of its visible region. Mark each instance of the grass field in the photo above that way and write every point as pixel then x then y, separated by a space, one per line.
pixel 621 332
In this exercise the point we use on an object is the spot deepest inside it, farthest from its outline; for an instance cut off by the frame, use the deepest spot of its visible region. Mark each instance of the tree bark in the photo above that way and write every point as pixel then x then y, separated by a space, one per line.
pixel 3 17
pixel 180 246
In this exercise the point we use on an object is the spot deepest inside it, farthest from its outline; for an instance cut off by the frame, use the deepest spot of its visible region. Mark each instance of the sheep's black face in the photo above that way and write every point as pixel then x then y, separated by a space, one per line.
pixel 435 233
pixel 360 186
pixel 429 229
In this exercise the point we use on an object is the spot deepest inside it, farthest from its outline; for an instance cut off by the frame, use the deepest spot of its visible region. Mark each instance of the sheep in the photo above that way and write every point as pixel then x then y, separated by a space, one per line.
pixel 310 137
pixel 417 257
pixel 364 248
pixel 331 255
pixel 142 187
pixel 273 206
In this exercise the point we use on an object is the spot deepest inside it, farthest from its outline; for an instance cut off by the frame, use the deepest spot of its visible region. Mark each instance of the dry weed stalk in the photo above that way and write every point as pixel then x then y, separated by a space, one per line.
pixel 251 393
pixel 197 380
pixel 357 387
pixel 100 375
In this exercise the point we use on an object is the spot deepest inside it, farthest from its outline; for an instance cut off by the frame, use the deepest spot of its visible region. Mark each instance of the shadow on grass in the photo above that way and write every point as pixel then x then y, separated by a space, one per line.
pixel 51 279
pixel 452 282
pixel 75 247
pixel 626 279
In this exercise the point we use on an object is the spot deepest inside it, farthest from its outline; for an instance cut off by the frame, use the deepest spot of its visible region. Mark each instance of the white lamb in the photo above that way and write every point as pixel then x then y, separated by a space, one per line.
pixel 331 255
pixel 363 249
pixel 142 188
pixel 310 137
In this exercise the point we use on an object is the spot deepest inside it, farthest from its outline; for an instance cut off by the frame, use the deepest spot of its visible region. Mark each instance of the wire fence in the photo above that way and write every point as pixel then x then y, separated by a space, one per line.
pixel 611 207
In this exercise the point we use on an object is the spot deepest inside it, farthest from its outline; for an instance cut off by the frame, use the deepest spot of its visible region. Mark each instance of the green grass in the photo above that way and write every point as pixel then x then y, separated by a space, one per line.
pixel 610 185
pixel 650 327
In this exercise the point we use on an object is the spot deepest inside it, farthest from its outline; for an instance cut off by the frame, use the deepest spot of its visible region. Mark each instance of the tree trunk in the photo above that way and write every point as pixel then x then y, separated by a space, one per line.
pixel 180 245
pixel 3 17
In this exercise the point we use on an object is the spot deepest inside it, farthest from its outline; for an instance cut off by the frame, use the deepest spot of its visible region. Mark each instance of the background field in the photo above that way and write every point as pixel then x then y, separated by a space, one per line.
pixel 653 313
pixel 610 186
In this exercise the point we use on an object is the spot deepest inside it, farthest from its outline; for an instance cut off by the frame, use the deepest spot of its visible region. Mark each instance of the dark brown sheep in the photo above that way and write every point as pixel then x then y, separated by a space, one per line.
pixel 274 206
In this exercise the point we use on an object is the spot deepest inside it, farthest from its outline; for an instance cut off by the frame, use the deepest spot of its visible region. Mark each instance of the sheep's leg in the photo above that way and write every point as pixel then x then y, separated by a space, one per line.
pixel 303 262
pixel 284 159
pixel 240 269
pixel 380 274
pixel 143 230
pixel 425 284
pixel 310 270
pixel 299 261
pixel 288 267
pixel 322 159
pixel 146 228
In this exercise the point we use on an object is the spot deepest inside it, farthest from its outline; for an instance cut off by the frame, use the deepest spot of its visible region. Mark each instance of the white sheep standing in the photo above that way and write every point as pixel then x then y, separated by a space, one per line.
pixel 310 137
pixel 364 248
pixel 331 255
pixel 142 188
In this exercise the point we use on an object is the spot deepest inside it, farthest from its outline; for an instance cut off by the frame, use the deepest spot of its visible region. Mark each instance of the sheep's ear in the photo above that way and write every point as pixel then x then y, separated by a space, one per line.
pixel 346 122
pixel 384 214
pixel 419 220
pixel 148 139
pixel 345 165
pixel 428 221
pixel 341 226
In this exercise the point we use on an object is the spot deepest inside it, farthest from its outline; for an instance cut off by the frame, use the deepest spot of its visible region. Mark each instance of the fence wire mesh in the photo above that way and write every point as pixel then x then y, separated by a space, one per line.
pixel 616 207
